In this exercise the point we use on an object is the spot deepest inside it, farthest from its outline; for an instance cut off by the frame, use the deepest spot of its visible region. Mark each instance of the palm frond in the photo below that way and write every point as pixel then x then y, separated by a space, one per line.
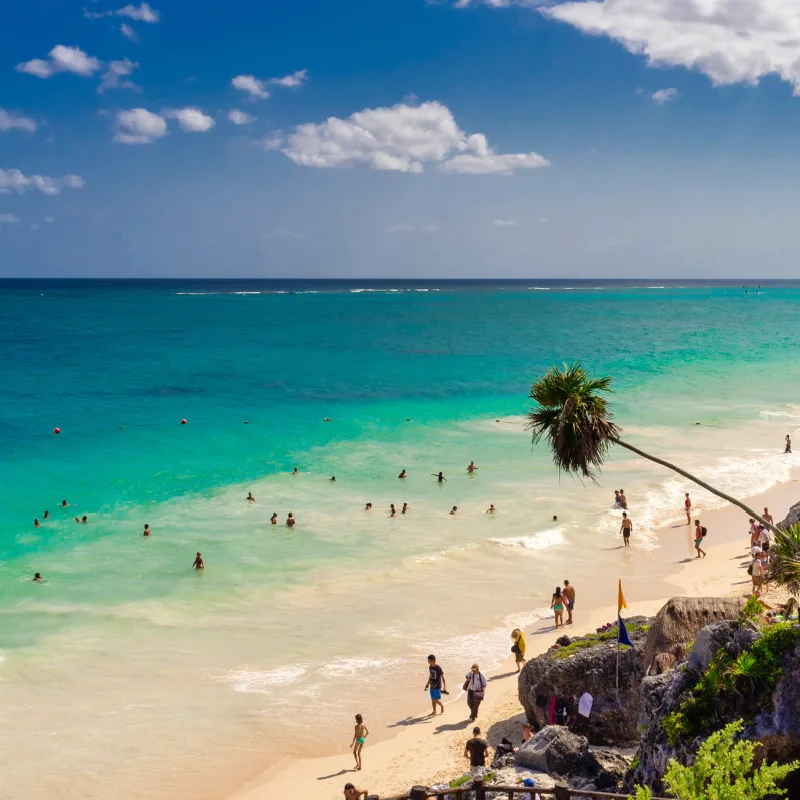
pixel 784 560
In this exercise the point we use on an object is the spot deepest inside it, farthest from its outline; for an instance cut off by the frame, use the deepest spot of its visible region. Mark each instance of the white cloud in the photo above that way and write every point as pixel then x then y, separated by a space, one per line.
pixel 401 227
pixel 13 180
pixel 49 220
pixel 504 223
pixel 250 84
pixel 128 32
pixel 238 117
pixel 35 226
pixel 9 120
pixel 62 59
pixel 116 76
pixel 139 126
pixel 730 41
pixel 190 120
pixel 664 96
pixel 401 138
pixel 141 13
pixel 292 81
pixel 283 233
pixel 9 219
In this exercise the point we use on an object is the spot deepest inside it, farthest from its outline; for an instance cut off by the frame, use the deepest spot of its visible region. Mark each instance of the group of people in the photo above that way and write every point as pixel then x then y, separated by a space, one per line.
pixel 760 542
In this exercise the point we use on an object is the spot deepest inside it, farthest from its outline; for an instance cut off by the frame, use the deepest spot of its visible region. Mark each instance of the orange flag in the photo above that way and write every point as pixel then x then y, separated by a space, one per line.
pixel 621 599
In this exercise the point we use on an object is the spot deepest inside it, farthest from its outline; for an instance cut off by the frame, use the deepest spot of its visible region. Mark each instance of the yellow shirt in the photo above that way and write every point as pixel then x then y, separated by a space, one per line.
pixel 521 644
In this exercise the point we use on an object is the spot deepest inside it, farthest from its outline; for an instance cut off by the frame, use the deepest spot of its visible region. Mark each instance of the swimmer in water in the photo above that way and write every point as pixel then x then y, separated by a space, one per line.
pixel 250 497
pixel 274 518
pixel 405 508
pixel 402 474
pixel 146 531
pixel 392 510
pixel 333 478
pixel 290 520
pixel 77 519
pixel 198 562
pixel 471 468
pixel 441 478
pixel 453 511
pixel 47 515
pixel 368 507
pixel 36 523
pixel 37 578
pixel 64 503
pixel 84 519
pixel 491 509
pixel 295 472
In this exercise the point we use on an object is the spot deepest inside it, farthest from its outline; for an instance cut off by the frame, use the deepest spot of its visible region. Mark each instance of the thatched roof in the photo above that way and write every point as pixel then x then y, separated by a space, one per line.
pixel 676 625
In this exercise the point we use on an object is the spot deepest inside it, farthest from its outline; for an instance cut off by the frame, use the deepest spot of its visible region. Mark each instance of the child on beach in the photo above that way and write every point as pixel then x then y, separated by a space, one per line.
pixel 436 684
pixel 359 736
pixel 699 535
pixel 557 604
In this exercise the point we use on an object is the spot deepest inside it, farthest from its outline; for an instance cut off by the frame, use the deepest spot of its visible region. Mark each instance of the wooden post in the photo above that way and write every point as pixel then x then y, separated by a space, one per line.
pixel 480 789
pixel 562 791
pixel 418 793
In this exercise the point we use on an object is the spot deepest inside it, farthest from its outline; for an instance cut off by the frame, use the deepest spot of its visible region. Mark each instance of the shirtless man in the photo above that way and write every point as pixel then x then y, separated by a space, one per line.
pixel 569 594
pixel 441 478
pixel 290 520
pixel 625 529
pixel 146 531
pixel 767 517
pixel 623 501
pixel 471 468
pixel 198 562
pixel 491 509
pixel 250 497
pixel 453 511
pixel 402 475
pixel 405 508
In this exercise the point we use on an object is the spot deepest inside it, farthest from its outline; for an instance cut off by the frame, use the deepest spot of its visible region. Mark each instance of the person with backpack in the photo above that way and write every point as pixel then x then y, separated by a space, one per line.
pixel 699 534
pixel 475 684
pixel 756 570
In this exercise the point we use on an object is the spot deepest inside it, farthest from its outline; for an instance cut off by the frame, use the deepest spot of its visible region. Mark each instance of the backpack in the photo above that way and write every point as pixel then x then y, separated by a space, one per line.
pixel 703 532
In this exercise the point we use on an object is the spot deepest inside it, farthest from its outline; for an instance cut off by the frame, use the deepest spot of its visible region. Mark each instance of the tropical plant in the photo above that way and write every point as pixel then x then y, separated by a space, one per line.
pixel 575 417
pixel 784 560
pixel 723 770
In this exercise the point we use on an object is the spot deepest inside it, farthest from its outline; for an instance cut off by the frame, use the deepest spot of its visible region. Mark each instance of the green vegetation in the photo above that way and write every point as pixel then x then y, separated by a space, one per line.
pixel 723 770
pixel 635 763
pixel 454 784
pixel 784 560
pixel 751 612
pixel 748 679
pixel 592 639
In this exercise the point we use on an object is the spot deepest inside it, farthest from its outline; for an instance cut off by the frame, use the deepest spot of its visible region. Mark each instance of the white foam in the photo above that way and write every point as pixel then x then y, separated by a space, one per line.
pixel 243 680
pixel 352 667
pixel 539 541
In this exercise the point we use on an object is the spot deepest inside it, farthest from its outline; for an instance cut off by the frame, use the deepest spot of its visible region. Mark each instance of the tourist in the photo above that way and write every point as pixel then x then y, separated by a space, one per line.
pixel 146 531
pixel 392 510
pixel 527 731
pixel 757 574
pixel 290 520
pixel 250 497
pixel 47 515
pixel 359 737
pixel 687 505
pixel 36 523
pixel 763 558
pixel 64 504
pixel 84 519
pixel 332 478
pixel 453 511
pixel 617 499
pixel 476 749
pixel 274 518
pixel 475 683
pixel 351 793
pixel 625 529
pixel 755 551
pixel 767 517
pixel 436 684
pixel 788 444
pixel 754 532
pixel 491 509
pixel 699 534
pixel 439 477
pixel 295 472
pixel 557 604
pixel 402 475
pixel 37 578
pixel 764 540
pixel 569 594
pixel 198 562
pixel 471 468
pixel 368 507
pixel 406 506
pixel 623 501
pixel 518 648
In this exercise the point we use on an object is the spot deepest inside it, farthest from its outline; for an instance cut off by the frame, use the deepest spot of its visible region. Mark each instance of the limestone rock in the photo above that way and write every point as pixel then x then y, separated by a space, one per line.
pixel 792 518
pixel 709 640
pixel 554 750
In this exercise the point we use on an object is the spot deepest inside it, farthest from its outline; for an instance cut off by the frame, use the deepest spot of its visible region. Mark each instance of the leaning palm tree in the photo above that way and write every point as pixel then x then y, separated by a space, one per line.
pixel 575 417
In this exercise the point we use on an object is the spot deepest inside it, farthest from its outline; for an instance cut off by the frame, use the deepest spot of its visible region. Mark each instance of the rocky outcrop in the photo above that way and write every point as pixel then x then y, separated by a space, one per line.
pixel 678 623
pixel 589 664
pixel 792 518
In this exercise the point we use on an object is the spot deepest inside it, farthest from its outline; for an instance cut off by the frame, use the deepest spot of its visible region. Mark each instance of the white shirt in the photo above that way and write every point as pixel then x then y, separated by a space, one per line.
pixel 758 569
pixel 477 681
pixel 764 537
pixel 755 550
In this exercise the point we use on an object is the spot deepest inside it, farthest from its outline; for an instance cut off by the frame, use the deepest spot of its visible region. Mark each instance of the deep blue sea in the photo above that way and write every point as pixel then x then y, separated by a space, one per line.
pixel 125 644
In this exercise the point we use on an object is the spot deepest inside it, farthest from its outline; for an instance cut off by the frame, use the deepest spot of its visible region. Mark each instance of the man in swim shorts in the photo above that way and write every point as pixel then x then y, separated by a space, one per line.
pixel 625 529
pixel 436 684
pixel 569 594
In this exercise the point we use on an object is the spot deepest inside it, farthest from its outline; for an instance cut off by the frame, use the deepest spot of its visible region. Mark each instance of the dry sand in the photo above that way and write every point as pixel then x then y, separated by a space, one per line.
pixel 428 750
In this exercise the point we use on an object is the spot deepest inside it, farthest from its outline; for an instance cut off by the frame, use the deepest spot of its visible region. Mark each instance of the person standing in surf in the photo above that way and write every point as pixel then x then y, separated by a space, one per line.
pixel 626 528
pixel 439 477
pixel 557 604
pixel 569 596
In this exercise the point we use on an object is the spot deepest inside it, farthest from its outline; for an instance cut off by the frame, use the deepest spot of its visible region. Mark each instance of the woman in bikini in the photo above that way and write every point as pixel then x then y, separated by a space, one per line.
pixel 557 605
pixel 359 735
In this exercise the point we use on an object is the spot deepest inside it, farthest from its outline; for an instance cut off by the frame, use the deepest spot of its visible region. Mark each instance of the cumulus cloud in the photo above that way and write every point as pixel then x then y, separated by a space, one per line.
pixel 139 126
pixel 250 84
pixel 190 120
pixel 238 117
pixel 10 120
pixel 128 32
pixel 401 138
pixel 664 96
pixel 141 13
pixel 9 219
pixel 49 220
pixel 292 81
pixel 504 223
pixel 13 180
pixel 116 76
pixel 62 59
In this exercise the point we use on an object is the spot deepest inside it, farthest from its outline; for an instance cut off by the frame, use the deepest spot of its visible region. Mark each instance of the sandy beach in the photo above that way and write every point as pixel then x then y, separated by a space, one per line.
pixel 420 749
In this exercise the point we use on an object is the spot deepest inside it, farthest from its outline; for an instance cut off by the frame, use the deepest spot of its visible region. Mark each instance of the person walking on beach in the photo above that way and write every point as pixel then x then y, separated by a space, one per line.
pixel 471 468
pixel 476 750
pixel 351 793
pixel 290 520
pixel 198 562
pixel 757 574
pixel 625 529
pixel 788 444
pixel 557 604
pixel 764 541
pixel 687 505
pixel 569 595
pixel 699 534
pixel 475 683
pixel 439 477
pixel 518 648
pixel 359 737
pixel 623 501
pixel 436 684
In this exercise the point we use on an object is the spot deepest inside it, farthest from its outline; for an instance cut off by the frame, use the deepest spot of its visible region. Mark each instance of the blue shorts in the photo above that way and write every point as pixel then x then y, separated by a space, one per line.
pixel 436 694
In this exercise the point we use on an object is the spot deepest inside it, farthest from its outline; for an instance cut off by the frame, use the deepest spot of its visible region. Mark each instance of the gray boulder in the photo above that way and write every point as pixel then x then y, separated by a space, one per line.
pixel 554 750
pixel 709 640
pixel 792 518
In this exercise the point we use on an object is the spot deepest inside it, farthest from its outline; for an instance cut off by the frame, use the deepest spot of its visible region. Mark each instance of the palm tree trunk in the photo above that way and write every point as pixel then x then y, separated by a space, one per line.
pixel 697 480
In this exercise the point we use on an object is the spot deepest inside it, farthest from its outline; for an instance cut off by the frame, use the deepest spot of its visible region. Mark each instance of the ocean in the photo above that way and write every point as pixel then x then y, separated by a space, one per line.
pixel 126 667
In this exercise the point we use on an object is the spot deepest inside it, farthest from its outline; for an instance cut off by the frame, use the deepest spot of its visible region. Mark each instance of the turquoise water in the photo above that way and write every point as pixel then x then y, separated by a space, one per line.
pixel 125 644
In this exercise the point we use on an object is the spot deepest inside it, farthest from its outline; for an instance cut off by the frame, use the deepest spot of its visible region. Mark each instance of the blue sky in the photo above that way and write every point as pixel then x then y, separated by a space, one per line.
pixel 401 138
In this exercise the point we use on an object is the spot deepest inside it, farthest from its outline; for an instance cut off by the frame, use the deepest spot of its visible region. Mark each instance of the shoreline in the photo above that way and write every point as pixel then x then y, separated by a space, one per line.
pixel 430 749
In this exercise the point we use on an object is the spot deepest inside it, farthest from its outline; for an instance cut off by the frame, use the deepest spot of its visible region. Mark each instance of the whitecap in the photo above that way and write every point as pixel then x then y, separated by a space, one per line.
pixel 539 541
pixel 244 680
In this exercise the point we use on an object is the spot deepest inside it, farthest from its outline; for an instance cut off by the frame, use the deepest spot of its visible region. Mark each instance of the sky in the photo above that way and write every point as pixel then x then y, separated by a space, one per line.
pixel 400 138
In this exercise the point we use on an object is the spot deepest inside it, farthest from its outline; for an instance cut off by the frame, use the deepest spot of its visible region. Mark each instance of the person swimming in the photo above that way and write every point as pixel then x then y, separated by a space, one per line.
pixel 84 519
pixel 36 523
pixel 402 474
pixel 37 578
pixel 471 468
pixel 441 478
pixel 405 508
pixel 198 562
pixel 491 509
pixel 250 497
pixel 47 515
pixel 146 531
pixel 453 511
pixel 332 478
pixel 295 472
pixel 64 504
pixel 368 507
pixel 290 520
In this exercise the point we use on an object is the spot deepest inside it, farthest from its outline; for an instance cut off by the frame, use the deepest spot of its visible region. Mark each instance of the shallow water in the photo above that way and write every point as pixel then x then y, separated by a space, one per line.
pixel 126 664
